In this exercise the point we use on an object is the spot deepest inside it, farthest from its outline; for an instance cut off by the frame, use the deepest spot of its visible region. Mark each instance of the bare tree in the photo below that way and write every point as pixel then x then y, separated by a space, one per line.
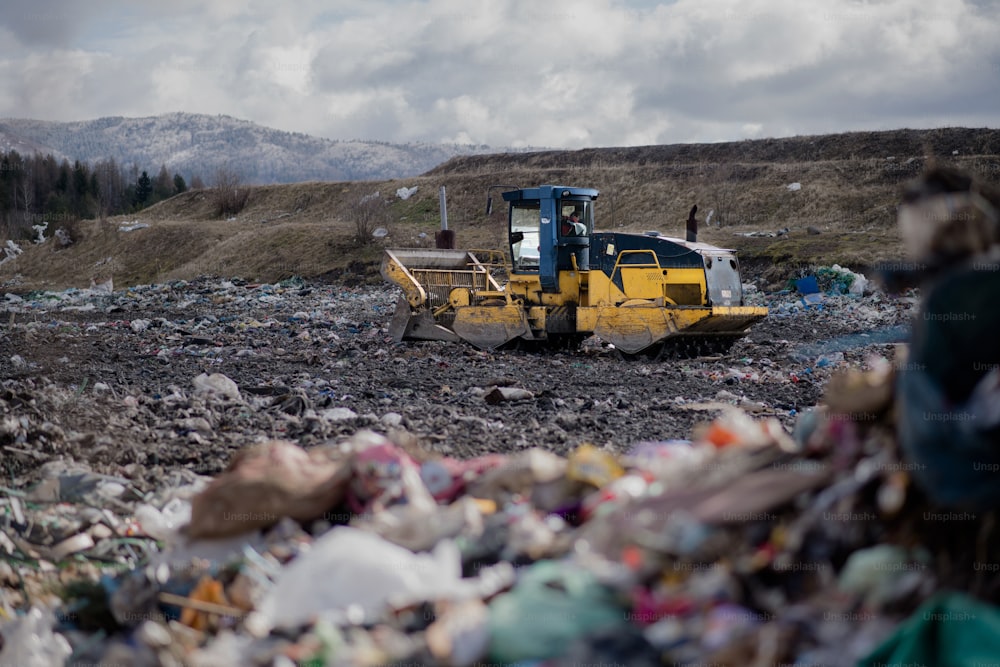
pixel 110 187
pixel 22 222
pixel 369 213
pixel 721 195
pixel 229 194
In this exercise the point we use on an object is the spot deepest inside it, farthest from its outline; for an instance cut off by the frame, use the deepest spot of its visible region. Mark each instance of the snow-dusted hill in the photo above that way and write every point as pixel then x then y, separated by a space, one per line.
pixel 196 144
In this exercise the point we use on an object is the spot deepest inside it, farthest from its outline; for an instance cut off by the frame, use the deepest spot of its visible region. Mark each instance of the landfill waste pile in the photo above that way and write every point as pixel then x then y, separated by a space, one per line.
pixel 187 373
pixel 221 473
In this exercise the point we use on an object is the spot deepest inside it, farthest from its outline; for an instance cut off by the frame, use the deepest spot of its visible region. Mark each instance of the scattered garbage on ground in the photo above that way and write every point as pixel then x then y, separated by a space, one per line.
pixel 218 473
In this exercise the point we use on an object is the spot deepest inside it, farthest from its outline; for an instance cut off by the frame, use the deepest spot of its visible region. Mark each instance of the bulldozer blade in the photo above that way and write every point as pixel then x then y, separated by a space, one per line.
pixel 635 329
pixel 400 318
pixel 632 330
pixel 729 320
pixel 489 327
pixel 407 325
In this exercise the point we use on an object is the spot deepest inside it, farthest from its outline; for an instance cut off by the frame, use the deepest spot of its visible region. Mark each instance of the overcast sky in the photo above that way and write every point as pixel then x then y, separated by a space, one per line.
pixel 557 73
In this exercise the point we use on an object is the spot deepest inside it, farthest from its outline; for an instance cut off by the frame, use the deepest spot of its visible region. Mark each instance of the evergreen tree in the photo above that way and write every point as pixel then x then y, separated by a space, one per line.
pixel 62 177
pixel 143 190
pixel 179 184
pixel 94 187
pixel 79 204
pixel 80 178
pixel 8 180
pixel 57 205
pixel 46 171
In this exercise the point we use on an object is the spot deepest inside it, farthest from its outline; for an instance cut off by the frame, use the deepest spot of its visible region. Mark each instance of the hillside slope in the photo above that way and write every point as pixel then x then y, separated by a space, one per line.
pixel 855 147
pixel 842 211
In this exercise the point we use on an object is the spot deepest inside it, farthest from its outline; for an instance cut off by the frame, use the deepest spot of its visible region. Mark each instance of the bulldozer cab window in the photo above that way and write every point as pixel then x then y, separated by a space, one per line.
pixel 525 223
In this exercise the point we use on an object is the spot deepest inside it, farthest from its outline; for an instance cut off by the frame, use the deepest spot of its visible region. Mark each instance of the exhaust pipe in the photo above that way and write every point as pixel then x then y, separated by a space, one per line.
pixel 445 239
pixel 692 225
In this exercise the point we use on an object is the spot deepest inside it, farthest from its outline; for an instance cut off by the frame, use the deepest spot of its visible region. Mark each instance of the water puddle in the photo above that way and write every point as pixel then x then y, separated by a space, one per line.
pixel 899 333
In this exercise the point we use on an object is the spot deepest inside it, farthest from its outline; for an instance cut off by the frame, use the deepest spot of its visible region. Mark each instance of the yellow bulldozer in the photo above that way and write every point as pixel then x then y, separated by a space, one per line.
pixel 645 294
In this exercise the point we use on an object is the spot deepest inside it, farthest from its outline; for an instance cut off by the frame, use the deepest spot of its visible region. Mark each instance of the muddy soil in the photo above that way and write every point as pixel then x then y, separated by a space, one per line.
pixel 110 378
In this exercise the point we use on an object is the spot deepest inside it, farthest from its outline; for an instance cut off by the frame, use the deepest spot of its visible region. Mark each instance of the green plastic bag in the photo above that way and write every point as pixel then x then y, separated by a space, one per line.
pixel 949 630
pixel 552 604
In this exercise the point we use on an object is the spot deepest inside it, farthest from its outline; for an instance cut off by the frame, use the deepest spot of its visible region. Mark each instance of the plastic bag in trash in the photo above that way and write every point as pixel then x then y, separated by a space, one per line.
pixel 813 300
pixel 217 385
pixel 29 641
pixel 350 568
pixel 551 605
pixel 859 285
pixel 807 285
pixel 836 279
pixel 832 359
pixel 163 524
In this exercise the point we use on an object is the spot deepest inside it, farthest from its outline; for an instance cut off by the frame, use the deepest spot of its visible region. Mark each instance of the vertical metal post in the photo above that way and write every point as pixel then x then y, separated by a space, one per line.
pixel 445 239
pixel 443 201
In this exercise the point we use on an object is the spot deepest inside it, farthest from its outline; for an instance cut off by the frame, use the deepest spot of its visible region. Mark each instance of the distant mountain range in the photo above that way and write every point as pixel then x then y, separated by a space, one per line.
pixel 198 144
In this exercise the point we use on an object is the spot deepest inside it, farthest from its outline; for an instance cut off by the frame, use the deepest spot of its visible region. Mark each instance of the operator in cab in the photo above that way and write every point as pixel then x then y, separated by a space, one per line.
pixel 571 225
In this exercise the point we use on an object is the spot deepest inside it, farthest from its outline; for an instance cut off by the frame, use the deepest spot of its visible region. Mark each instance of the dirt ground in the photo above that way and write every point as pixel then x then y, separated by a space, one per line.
pixel 112 379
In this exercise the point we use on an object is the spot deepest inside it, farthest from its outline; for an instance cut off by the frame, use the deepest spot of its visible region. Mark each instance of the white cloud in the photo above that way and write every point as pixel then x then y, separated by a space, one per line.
pixel 512 72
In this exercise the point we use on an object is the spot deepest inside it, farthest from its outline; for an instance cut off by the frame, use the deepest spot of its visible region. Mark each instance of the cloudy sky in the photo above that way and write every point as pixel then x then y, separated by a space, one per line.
pixel 559 73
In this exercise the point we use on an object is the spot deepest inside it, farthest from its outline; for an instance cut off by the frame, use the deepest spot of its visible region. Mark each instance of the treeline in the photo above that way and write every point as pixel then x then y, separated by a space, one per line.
pixel 37 188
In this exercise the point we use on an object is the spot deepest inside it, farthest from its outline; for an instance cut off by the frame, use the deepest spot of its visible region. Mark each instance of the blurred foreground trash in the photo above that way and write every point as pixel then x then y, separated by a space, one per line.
pixel 385 475
pixel 550 606
pixel 740 545
pixel 265 483
pixel 29 641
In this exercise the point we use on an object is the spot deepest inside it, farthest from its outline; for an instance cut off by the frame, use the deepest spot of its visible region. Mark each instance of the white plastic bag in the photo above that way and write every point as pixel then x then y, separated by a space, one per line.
pixel 163 524
pixel 348 567
pixel 30 642
pixel 217 385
